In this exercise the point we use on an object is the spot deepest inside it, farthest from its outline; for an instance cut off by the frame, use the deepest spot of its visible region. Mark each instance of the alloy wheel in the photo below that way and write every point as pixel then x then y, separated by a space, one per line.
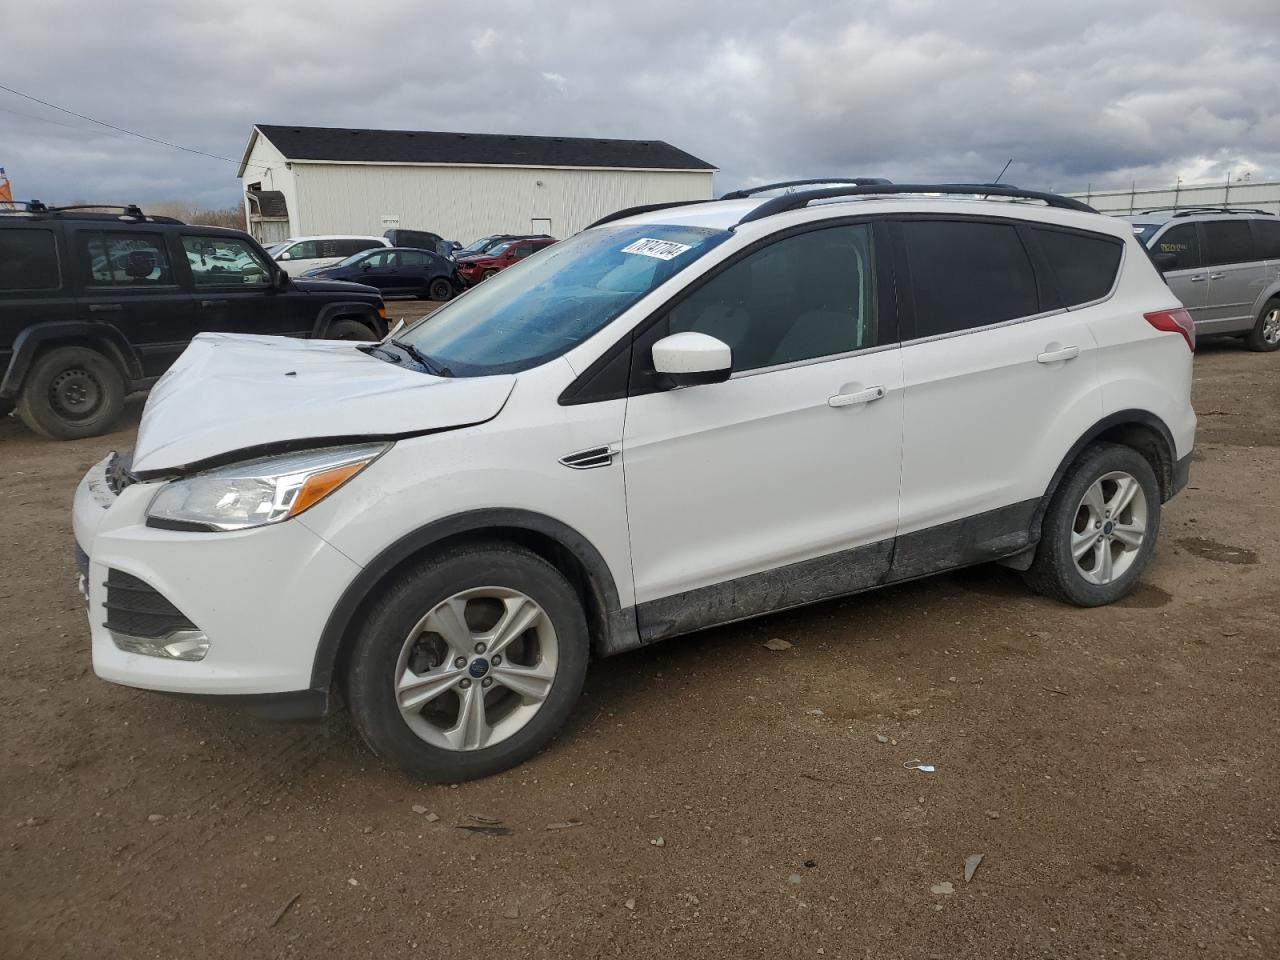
pixel 1110 527
pixel 476 668
pixel 1271 326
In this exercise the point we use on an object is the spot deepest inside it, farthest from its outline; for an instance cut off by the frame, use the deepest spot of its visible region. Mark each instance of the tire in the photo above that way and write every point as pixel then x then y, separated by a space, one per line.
pixel 70 393
pixel 440 289
pixel 344 328
pixel 1109 568
pixel 1265 335
pixel 6 408
pixel 406 637
pixel 487 274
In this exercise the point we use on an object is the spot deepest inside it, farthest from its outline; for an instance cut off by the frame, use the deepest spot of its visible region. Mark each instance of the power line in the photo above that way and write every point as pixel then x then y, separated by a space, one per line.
pixel 131 133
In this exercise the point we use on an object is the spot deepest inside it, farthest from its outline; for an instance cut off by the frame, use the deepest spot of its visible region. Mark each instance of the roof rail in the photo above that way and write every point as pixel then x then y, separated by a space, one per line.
pixel 129 210
pixel 1193 211
pixel 642 208
pixel 764 188
pixel 794 201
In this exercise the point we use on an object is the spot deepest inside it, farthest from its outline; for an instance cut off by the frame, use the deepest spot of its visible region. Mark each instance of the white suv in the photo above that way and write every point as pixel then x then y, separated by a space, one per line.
pixel 297 255
pixel 683 416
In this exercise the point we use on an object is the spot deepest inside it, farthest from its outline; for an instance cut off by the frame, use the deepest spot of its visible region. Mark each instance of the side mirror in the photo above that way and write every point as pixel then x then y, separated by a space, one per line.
pixel 281 280
pixel 285 256
pixel 688 359
pixel 1165 261
pixel 366 265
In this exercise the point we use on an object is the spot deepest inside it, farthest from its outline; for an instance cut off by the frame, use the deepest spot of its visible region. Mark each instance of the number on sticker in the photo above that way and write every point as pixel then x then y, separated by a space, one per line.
pixel 659 249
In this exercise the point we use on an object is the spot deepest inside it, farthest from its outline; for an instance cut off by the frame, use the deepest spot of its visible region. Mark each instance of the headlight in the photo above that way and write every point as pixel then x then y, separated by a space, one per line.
pixel 258 492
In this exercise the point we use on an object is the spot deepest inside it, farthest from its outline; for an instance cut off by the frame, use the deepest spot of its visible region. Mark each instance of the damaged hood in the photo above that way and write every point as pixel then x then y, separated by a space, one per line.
pixel 234 392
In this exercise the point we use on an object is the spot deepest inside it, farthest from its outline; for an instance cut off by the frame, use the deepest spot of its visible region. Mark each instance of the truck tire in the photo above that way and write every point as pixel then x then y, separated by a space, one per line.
pixel 71 392
pixel 345 328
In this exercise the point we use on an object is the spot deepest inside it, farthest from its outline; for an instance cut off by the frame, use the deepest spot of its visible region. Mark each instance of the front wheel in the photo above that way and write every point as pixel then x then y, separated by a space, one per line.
pixel 1100 530
pixel 346 329
pixel 1265 335
pixel 440 289
pixel 469 663
pixel 71 392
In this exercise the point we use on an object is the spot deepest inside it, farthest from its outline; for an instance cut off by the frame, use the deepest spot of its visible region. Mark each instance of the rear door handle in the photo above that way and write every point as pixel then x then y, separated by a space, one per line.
pixel 213 303
pixel 1053 356
pixel 105 308
pixel 862 396
pixel 1216 276
pixel 1198 279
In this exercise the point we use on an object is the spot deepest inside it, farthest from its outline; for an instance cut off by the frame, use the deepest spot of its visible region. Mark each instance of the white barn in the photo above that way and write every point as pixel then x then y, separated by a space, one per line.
pixel 317 180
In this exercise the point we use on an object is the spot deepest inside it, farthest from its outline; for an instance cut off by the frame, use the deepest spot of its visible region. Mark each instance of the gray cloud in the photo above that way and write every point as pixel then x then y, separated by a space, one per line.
pixel 1091 92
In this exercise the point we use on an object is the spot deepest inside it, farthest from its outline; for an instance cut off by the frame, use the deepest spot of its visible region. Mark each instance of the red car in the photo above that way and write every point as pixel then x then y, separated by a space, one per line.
pixel 481 266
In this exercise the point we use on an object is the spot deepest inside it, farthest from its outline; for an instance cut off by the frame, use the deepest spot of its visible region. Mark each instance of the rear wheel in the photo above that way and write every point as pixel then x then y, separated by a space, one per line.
pixel 347 329
pixel 71 392
pixel 469 664
pixel 1265 335
pixel 488 274
pixel 1100 530
pixel 440 289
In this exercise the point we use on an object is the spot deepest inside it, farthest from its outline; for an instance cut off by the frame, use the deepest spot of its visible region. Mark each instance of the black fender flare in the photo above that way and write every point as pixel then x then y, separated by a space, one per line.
pixel 497 519
pixel 30 341
pixel 1121 418
pixel 366 311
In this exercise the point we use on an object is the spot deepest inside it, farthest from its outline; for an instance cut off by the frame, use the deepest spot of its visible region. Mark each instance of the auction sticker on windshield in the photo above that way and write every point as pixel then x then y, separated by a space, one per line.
pixel 659 249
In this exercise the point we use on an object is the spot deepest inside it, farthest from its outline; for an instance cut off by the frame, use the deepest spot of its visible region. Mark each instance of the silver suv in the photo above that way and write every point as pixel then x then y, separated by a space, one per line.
pixel 1224 265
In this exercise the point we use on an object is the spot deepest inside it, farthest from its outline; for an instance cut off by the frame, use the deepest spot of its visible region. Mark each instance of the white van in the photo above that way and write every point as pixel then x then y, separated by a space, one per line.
pixel 300 254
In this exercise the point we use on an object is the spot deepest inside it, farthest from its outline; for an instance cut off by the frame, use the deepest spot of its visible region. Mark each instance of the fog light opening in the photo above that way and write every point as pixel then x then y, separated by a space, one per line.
pixel 188 645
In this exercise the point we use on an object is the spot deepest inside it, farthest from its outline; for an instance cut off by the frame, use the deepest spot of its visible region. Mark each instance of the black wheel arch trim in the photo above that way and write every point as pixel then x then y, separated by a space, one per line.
pixel 364 309
pixel 1169 484
pixel 613 620
pixel 30 341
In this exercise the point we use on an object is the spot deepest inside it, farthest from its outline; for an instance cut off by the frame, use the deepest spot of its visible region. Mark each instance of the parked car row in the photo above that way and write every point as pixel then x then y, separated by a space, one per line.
pixel 95 305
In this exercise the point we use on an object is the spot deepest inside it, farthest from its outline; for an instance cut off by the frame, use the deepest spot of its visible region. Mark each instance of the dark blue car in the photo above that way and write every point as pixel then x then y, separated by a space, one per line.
pixel 397 271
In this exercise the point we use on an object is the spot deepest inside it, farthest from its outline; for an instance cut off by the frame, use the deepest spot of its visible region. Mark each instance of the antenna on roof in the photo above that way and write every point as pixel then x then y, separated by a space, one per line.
pixel 1002 171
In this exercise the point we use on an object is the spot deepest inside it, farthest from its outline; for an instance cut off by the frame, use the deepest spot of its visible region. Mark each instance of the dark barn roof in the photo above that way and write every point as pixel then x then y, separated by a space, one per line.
pixel 422 146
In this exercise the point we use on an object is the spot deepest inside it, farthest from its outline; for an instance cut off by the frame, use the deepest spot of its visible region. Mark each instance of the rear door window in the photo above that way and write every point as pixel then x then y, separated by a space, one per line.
pixel 347 248
pixel 124 259
pixel 1228 241
pixel 1266 234
pixel 1084 265
pixel 1183 243
pixel 967 274
pixel 28 260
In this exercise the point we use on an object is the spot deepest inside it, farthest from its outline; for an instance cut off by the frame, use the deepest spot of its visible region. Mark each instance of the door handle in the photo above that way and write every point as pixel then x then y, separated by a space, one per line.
pixel 1216 276
pixel 862 396
pixel 1198 279
pixel 1053 356
pixel 213 303
pixel 105 308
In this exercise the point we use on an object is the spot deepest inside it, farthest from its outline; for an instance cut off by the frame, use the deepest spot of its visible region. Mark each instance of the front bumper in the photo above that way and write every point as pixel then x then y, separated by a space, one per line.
pixel 261 596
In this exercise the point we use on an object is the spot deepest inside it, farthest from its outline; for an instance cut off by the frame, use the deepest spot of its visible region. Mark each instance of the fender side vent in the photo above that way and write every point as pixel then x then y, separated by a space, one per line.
pixel 587 459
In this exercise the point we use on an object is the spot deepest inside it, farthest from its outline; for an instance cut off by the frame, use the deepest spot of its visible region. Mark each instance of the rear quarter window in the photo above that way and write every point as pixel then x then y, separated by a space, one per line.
pixel 1267 238
pixel 1084 265
pixel 28 260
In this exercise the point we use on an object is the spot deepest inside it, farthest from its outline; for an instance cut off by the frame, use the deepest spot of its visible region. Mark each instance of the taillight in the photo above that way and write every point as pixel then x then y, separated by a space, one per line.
pixel 1175 321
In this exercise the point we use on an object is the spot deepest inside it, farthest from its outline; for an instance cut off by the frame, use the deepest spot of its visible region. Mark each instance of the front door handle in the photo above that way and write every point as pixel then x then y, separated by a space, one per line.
pixel 105 308
pixel 862 396
pixel 211 304
pixel 1216 276
pixel 1054 356
pixel 1198 279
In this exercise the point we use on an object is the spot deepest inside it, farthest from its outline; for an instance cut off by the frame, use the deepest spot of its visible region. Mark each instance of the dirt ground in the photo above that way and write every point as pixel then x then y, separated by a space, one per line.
pixel 1116 768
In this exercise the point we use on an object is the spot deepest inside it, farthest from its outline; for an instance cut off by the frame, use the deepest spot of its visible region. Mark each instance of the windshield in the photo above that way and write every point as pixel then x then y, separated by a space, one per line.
pixel 1145 231
pixel 546 305
pixel 479 246
pixel 357 257
pixel 275 248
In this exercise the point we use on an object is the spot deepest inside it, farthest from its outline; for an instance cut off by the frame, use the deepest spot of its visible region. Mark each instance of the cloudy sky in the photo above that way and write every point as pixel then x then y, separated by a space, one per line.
pixel 1100 92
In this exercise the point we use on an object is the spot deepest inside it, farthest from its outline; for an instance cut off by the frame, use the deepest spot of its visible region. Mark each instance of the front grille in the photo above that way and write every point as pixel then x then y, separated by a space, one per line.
pixel 136 608
pixel 118 475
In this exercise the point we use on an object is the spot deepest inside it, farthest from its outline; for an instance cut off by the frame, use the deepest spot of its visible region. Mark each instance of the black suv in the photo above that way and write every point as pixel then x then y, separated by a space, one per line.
pixel 95 305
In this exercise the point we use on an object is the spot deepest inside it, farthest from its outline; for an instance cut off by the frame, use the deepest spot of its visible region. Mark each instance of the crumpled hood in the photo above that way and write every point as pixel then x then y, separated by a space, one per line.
pixel 232 392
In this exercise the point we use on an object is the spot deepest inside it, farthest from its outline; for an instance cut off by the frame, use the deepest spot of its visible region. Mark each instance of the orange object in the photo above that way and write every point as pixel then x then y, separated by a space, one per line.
pixel 323 484
pixel 6 191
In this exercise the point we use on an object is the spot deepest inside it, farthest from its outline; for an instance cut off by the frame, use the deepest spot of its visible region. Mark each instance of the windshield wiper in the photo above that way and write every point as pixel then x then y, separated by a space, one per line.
pixel 433 368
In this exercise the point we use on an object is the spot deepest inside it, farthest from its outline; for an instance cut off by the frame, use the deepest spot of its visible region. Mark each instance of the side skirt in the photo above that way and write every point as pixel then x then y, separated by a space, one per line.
pixel 960 543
